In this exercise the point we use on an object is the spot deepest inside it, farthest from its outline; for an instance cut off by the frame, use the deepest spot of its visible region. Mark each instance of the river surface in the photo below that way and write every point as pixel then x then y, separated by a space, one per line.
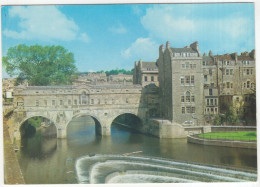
pixel 52 161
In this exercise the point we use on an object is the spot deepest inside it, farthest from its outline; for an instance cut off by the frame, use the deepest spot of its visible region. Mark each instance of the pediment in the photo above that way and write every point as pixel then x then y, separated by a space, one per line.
pixel 81 88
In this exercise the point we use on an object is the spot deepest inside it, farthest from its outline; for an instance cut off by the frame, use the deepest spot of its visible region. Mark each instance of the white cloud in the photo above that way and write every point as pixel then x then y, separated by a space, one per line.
pixel 142 48
pixel 43 23
pixel 120 29
pixel 84 37
pixel 183 25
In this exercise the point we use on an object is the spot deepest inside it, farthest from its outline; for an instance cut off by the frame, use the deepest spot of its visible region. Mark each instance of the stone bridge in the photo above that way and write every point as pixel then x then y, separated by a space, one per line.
pixel 61 104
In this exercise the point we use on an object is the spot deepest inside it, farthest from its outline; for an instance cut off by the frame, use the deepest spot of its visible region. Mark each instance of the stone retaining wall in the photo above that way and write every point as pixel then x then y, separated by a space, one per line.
pixel 226 143
pixel 232 128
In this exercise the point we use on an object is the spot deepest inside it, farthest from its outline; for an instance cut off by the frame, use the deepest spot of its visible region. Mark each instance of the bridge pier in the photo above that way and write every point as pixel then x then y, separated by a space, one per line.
pixel 103 130
pixel 106 131
pixel 61 133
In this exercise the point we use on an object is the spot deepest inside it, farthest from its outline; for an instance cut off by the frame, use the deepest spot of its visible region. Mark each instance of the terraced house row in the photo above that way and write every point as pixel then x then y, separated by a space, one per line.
pixel 194 88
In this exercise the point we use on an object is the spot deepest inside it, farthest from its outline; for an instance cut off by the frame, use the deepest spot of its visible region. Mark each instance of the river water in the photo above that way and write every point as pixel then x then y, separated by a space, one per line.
pixel 52 161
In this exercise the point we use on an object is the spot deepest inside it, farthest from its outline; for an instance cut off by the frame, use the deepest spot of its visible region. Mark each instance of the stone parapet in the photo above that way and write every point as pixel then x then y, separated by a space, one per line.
pixel 225 143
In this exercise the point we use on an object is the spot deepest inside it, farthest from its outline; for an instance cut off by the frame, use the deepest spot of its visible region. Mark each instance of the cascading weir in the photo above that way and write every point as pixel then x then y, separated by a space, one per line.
pixel 99 169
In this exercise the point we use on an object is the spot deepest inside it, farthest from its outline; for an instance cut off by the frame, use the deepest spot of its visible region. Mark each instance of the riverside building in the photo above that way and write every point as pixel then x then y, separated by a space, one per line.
pixel 194 88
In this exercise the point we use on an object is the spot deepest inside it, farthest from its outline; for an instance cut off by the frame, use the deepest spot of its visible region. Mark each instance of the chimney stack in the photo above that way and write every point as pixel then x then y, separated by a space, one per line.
pixel 161 48
pixel 252 54
pixel 167 44
pixel 195 47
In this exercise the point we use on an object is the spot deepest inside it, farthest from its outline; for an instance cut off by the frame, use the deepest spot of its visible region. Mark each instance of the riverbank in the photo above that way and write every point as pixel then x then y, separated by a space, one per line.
pixel 12 171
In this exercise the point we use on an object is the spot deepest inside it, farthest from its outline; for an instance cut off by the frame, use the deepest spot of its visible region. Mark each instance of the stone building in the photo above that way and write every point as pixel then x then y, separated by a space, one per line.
pixel 181 84
pixel 210 77
pixel 120 78
pixel 145 73
pixel 236 76
pixel 7 88
pixel 193 89
pixel 91 77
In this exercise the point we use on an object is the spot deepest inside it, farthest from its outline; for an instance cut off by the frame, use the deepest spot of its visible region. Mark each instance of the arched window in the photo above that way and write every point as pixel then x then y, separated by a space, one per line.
pixel 187 96
pixel 83 98
pixel 20 103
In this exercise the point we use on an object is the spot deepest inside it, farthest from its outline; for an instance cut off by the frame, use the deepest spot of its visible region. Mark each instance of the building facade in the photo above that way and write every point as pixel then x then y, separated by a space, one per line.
pixel 145 73
pixel 195 88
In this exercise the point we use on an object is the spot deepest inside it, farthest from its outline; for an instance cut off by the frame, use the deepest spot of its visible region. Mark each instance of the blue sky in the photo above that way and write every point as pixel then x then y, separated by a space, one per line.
pixel 104 37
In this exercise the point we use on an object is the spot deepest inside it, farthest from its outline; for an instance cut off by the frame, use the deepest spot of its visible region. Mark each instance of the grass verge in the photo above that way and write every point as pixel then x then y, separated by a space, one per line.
pixel 239 135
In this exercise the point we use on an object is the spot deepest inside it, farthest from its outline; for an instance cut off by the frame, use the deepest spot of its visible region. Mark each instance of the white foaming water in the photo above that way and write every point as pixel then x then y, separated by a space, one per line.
pixel 95 169
pixel 132 176
pixel 143 178
pixel 81 173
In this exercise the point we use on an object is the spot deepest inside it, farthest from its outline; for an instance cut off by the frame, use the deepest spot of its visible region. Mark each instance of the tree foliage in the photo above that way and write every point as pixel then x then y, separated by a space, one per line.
pixel 230 117
pixel 217 120
pixel 40 65
pixel 117 71
pixel 250 114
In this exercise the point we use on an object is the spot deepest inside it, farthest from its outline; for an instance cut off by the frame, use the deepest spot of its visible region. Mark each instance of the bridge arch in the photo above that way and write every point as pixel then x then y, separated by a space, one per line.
pixel 36 115
pixel 98 124
pixel 131 120
pixel 20 124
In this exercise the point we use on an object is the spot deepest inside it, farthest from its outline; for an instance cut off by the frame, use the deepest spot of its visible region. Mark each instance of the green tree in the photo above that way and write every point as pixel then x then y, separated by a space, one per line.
pixel 250 114
pixel 40 65
pixel 217 120
pixel 231 116
pixel 117 71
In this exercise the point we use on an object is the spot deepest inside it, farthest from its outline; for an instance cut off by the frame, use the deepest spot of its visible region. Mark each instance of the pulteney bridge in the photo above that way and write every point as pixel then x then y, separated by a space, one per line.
pixel 61 104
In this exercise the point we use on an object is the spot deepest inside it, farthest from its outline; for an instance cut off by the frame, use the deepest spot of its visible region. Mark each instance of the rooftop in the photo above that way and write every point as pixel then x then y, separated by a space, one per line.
pixel 183 50
pixel 147 65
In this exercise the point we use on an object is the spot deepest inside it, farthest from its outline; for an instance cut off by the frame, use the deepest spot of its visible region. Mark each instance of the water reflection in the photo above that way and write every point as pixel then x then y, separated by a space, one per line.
pixel 52 161
pixel 38 146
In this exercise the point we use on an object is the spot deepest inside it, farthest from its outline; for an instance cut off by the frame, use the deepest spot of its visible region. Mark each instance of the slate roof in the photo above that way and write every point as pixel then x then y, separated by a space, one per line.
pixel 111 86
pixel 224 57
pixel 230 57
pixel 183 50
pixel 207 58
pixel 151 65
pixel 244 58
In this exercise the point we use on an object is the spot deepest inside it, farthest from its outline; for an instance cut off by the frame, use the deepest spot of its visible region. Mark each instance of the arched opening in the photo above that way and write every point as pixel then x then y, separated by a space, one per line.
pixel 38 137
pixel 128 120
pixel 83 129
pixel 127 129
